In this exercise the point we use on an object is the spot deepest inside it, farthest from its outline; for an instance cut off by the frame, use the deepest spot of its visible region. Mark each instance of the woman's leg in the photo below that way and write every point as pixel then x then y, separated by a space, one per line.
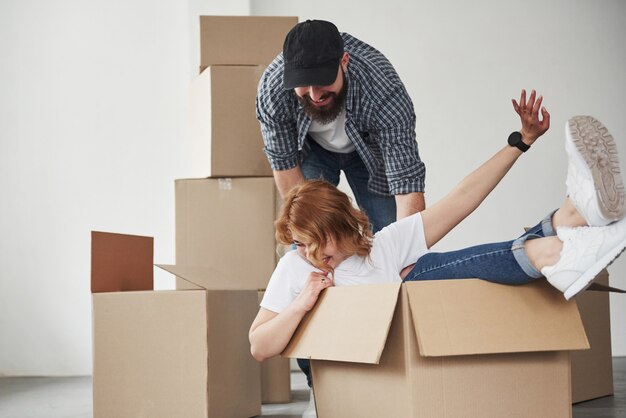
pixel 511 262
pixel 501 262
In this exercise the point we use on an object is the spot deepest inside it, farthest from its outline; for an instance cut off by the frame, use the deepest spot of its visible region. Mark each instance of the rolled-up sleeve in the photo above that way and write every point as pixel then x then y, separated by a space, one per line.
pixel 278 124
pixel 404 169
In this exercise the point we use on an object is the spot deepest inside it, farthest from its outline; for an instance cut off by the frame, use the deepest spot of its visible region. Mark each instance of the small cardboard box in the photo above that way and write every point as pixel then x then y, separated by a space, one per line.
pixel 275 378
pixel 449 348
pixel 592 370
pixel 242 40
pixel 226 136
pixel 182 353
pixel 228 224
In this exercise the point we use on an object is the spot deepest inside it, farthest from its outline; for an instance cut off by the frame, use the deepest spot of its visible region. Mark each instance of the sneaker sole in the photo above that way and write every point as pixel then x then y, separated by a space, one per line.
pixel 596 147
pixel 585 280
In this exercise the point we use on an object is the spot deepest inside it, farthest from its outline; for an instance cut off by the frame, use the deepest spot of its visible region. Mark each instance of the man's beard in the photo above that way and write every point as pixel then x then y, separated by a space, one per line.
pixel 328 113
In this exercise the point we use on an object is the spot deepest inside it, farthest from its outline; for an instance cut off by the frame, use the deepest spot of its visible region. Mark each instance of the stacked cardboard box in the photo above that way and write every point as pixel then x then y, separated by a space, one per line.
pixel 186 352
pixel 224 220
pixel 592 370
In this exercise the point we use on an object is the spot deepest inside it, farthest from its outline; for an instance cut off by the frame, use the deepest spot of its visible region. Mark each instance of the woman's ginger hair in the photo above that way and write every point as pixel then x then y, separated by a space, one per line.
pixel 316 211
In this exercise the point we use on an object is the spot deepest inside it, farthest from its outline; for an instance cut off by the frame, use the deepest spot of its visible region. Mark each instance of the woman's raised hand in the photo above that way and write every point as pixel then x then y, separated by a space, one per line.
pixel 528 111
pixel 315 283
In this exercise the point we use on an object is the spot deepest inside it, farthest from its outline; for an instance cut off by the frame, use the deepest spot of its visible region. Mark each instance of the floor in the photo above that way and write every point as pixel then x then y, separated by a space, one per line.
pixel 70 397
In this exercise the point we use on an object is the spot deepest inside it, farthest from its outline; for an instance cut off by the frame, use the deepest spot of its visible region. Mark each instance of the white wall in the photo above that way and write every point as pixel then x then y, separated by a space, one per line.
pixel 463 61
pixel 93 128
pixel 93 131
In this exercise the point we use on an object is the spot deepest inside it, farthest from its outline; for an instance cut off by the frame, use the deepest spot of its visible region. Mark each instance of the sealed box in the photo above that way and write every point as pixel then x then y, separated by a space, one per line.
pixel 447 348
pixel 182 353
pixel 228 224
pixel 225 133
pixel 275 378
pixel 592 370
pixel 242 40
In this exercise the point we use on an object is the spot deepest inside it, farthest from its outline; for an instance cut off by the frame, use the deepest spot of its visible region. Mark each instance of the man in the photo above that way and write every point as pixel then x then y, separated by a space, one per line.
pixel 332 103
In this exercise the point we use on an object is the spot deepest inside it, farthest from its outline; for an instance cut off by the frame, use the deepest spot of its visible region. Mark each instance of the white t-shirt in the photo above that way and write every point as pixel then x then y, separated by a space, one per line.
pixel 394 247
pixel 332 136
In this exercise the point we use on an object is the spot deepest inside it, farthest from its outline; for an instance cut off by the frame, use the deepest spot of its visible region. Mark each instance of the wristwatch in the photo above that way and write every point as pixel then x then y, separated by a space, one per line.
pixel 515 140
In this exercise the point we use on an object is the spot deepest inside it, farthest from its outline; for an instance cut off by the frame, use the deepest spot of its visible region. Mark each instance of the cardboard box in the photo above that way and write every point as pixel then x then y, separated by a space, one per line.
pixel 242 40
pixel 167 353
pixel 228 225
pixel 449 348
pixel 275 378
pixel 592 370
pixel 226 135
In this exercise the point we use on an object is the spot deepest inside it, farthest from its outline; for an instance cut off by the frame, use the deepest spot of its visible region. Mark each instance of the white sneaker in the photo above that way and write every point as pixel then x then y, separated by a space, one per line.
pixel 310 411
pixel 594 183
pixel 586 251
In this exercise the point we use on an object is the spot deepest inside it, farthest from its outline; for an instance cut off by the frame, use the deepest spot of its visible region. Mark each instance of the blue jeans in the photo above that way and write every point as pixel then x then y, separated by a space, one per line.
pixel 321 163
pixel 501 262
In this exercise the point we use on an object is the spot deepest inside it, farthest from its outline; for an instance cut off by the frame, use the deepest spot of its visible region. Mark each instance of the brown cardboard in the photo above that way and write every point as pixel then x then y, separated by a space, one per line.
pixel 242 40
pixel 592 370
pixel 447 382
pixel 171 353
pixel 226 135
pixel 275 378
pixel 120 264
pixel 228 225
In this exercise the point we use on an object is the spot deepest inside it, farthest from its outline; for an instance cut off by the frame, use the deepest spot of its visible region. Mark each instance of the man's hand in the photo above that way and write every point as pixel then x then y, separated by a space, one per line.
pixel 532 127
pixel 287 179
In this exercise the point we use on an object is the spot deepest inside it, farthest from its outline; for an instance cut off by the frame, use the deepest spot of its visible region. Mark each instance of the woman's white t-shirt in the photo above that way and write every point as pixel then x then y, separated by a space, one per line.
pixel 393 248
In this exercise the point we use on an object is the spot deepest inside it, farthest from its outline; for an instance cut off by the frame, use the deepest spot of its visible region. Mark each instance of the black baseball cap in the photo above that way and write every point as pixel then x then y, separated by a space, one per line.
pixel 312 53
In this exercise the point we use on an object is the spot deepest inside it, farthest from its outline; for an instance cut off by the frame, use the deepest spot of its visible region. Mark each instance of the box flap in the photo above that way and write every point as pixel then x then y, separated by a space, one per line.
pixel 348 323
pixel 471 316
pixel 121 262
pixel 205 277
pixel 604 288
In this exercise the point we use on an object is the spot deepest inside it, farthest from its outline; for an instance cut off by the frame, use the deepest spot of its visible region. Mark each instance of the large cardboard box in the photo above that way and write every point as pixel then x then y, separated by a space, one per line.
pixel 182 353
pixel 226 136
pixel 228 224
pixel 275 378
pixel 242 40
pixel 450 348
pixel 592 370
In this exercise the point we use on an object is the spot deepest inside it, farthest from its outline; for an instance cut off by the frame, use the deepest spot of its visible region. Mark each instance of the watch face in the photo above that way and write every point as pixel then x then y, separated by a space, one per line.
pixel 515 138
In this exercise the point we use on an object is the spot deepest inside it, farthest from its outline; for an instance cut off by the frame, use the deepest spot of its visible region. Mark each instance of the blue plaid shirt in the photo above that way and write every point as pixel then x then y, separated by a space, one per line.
pixel 380 121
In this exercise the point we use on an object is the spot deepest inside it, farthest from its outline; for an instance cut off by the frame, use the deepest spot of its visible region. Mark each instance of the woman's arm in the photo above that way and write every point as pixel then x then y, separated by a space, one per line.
pixel 271 332
pixel 440 218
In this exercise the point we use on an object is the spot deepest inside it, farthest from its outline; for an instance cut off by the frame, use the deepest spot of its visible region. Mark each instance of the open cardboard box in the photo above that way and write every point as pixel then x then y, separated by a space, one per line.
pixel 182 353
pixel 447 348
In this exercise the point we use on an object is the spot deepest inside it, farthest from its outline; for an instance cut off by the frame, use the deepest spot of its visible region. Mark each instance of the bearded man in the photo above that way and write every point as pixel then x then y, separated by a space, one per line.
pixel 330 103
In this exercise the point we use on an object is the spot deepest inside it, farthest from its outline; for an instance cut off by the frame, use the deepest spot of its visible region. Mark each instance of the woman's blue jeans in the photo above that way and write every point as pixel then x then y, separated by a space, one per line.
pixel 501 262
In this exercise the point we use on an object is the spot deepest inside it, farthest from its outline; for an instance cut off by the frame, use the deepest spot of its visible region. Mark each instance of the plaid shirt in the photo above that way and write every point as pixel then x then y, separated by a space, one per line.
pixel 380 121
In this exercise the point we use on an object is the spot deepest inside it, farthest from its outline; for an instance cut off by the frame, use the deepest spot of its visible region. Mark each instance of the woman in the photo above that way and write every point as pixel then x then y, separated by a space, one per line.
pixel 335 245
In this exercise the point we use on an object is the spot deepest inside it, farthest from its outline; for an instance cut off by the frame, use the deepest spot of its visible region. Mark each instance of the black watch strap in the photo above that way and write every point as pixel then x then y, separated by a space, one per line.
pixel 515 140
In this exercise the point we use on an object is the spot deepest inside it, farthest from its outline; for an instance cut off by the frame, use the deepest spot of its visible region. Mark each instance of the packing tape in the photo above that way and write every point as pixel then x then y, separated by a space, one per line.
pixel 225 184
